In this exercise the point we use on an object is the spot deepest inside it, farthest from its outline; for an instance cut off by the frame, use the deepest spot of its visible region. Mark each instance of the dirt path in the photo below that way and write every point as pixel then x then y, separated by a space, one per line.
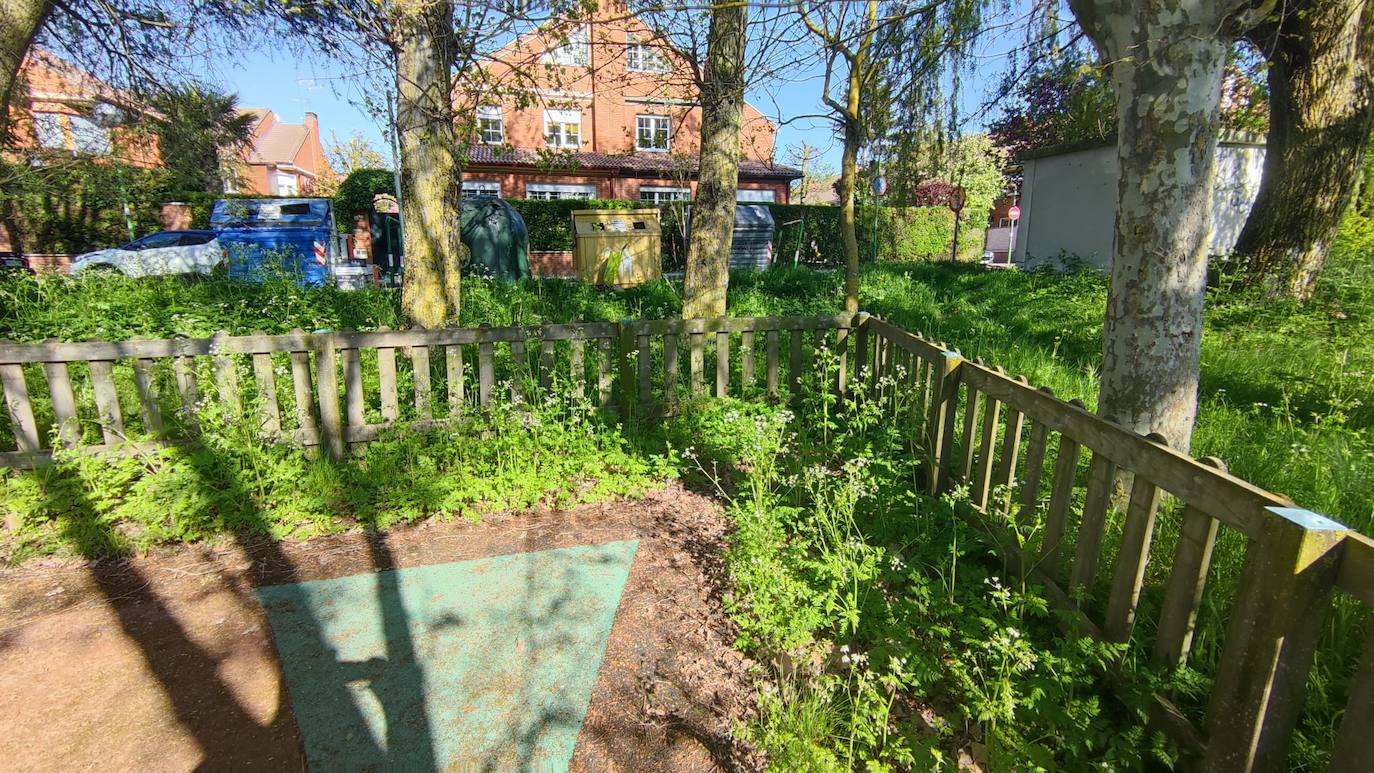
pixel 166 662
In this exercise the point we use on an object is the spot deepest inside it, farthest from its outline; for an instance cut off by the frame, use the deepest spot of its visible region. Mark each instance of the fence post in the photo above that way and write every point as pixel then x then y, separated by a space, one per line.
pixel 1285 589
pixel 625 385
pixel 860 350
pixel 941 420
pixel 327 386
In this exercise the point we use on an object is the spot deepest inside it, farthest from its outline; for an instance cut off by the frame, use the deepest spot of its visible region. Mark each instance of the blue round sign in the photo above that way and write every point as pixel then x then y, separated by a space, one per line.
pixel 880 186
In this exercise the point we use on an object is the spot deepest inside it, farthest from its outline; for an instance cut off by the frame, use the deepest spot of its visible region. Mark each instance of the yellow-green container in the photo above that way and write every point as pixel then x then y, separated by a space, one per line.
pixel 618 247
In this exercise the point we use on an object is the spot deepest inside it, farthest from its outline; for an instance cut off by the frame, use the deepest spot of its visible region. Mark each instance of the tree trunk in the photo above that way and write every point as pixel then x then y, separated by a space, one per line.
pixel 849 179
pixel 20 21
pixel 1321 104
pixel 1167 57
pixel 713 210
pixel 430 176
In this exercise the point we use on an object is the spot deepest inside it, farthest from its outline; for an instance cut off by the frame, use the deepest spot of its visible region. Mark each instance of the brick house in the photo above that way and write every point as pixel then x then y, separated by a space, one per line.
pixel 598 110
pixel 283 159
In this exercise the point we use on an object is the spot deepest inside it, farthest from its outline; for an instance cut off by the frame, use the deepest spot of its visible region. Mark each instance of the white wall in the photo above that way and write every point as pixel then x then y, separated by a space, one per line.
pixel 1068 204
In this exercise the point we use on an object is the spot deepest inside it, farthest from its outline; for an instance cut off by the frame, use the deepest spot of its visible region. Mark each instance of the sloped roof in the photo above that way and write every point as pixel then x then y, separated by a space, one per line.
pixel 279 144
pixel 633 162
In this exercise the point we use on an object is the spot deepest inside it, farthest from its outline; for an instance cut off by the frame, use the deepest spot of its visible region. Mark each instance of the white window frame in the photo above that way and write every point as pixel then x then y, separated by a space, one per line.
pixel 474 188
pixel 576 52
pixel 48 132
pixel 643 57
pixel 756 195
pixel 88 136
pixel 491 125
pixel 556 125
pixel 290 190
pixel 554 191
pixel 652 131
pixel 659 194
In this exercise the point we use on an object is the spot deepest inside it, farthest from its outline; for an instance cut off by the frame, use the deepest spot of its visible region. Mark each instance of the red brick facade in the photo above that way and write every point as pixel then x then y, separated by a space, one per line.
pixel 610 74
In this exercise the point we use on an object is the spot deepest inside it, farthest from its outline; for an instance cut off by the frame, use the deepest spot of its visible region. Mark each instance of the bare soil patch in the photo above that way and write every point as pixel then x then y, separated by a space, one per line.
pixel 166 661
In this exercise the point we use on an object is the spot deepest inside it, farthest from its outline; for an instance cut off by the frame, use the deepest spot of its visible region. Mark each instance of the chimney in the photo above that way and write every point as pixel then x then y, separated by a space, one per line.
pixel 312 122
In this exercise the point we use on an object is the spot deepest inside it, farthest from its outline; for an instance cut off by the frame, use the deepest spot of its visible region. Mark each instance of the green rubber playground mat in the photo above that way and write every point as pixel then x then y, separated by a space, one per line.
pixel 486 664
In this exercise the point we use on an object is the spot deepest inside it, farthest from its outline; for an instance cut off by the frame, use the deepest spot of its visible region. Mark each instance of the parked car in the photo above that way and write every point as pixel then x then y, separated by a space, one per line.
pixel 165 252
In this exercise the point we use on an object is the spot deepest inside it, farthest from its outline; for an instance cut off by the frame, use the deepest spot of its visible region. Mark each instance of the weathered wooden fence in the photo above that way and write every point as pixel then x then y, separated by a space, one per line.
pixel 1018 450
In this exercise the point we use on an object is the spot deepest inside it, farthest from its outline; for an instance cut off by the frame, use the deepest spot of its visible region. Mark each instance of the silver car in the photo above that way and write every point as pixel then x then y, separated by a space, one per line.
pixel 165 252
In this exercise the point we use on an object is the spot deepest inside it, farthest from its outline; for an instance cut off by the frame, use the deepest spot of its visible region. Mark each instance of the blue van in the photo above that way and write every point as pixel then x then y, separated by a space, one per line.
pixel 295 237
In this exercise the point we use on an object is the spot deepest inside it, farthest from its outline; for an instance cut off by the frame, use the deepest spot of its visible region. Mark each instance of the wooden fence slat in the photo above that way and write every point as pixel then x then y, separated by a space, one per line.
pixel 722 364
pixel 643 361
pixel 1131 559
pixel 304 388
pixel 794 363
pixel 1005 475
pixel 603 372
pixel 26 435
pixel 670 371
pixel 973 402
pixel 1033 471
pixel 486 369
pixel 1187 581
pixel 185 371
pixel 1355 741
pixel 982 477
pixel 577 366
pixel 746 360
pixel 327 389
pixel 63 404
pixel 386 384
pixel 107 401
pixel 861 338
pixel 1097 498
pixel 1275 623
pixel 520 364
pixel 842 355
pixel 1061 496
pixel 226 375
pixel 453 371
pixel 940 424
pixel 697 364
pixel 419 363
pixel 269 413
pixel 771 361
pixel 546 364
pixel 625 370
pixel 354 399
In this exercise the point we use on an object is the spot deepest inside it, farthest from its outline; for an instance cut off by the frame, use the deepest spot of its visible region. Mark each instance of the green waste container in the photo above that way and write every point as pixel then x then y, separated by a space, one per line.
pixel 496 237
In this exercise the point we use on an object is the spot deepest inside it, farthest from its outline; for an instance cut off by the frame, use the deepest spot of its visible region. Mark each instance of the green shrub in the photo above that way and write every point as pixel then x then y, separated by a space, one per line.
pixel 550 222
pixel 357 192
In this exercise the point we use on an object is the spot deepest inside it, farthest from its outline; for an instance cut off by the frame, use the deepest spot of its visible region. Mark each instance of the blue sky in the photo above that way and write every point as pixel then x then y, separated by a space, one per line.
pixel 291 85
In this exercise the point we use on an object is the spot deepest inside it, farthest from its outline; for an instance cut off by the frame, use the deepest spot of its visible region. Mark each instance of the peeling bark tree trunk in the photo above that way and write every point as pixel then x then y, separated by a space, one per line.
pixel 713 211
pixel 849 179
pixel 19 23
pixel 1321 103
pixel 1167 60
pixel 430 176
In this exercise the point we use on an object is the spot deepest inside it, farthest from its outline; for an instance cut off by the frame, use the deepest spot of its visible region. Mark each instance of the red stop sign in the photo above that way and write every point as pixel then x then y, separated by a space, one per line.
pixel 1014 213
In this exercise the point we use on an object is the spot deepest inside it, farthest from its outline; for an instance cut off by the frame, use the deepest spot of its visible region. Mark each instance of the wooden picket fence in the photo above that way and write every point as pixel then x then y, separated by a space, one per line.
pixel 1017 450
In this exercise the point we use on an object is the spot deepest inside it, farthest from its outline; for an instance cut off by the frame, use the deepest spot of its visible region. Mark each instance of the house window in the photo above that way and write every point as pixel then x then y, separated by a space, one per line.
pixel 284 184
pixel 475 188
pixel 89 137
pixel 652 132
pixel 563 128
pixel 576 52
pixel 550 191
pixel 47 129
pixel 756 194
pixel 653 194
pixel 490 130
pixel 642 57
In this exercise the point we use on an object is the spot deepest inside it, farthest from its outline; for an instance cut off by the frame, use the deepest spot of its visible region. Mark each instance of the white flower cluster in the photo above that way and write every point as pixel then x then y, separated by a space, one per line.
pixel 855 659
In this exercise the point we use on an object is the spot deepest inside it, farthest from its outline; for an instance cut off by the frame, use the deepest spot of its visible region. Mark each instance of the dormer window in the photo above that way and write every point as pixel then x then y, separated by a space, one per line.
pixel 563 128
pixel 642 57
pixel 490 129
pixel 575 52
pixel 651 133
